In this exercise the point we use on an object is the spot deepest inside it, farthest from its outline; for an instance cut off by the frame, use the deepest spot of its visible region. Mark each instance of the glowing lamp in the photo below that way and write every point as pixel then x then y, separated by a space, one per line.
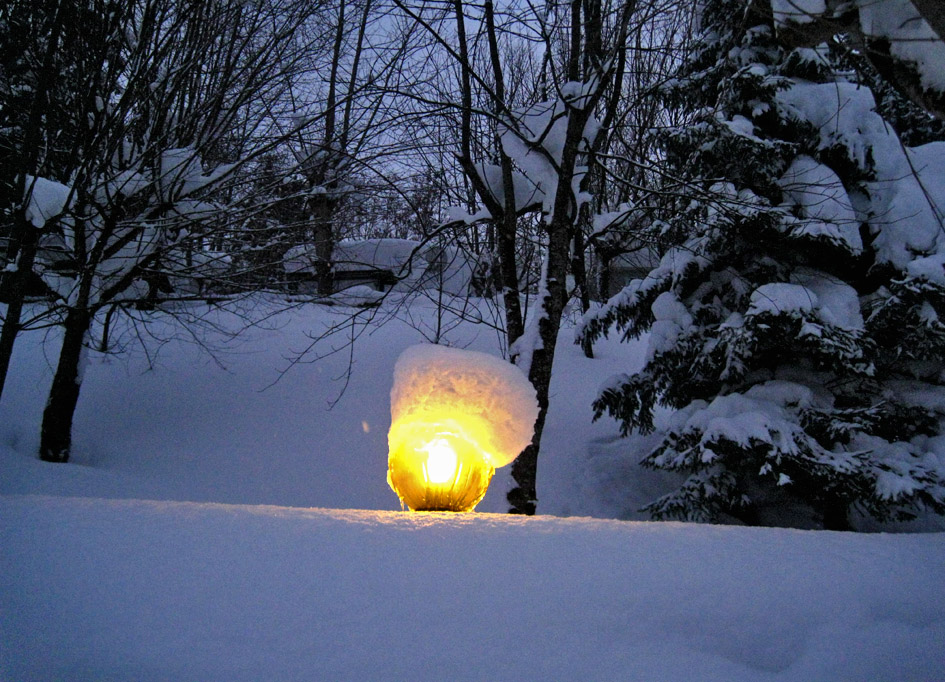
pixel 437 469
pixel 456 416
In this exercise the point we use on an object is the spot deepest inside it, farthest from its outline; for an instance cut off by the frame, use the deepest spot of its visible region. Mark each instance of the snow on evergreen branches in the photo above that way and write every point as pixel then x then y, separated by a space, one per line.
pixel 794 322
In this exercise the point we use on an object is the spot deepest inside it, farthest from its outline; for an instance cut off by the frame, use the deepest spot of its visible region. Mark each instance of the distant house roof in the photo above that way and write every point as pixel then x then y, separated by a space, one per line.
pixel 644 258
pixel 365 254
pixel 442 267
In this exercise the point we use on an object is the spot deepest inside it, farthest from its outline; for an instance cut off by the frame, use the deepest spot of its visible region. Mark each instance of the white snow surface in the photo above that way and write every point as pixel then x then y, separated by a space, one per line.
pixel 432 380
pixel 210 528
pixel 119 590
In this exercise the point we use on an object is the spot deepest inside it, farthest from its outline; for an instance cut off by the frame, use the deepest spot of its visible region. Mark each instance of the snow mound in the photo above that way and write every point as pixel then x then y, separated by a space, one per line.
pixel 489 400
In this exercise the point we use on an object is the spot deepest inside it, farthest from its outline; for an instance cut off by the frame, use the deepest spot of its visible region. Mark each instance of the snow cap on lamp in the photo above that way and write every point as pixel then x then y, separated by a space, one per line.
pixel 446 398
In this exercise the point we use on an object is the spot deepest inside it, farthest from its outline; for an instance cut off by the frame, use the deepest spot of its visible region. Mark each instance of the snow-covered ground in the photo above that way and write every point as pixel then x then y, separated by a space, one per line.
pixel 217 429
pixel 132 590
pixel 211 528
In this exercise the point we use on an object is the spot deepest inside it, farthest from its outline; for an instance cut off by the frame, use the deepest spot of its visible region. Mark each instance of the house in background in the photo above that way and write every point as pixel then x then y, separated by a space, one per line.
pixel 52 258
pixel 607 277
pixel 385 265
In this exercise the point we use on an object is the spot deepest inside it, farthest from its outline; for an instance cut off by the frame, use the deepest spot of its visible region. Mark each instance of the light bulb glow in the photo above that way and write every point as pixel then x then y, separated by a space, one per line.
pixel 441 461
pixel 434 467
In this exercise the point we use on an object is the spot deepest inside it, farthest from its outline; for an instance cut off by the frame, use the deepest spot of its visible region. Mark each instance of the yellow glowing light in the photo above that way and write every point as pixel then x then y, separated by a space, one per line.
pixel 435 467
pixel 441 461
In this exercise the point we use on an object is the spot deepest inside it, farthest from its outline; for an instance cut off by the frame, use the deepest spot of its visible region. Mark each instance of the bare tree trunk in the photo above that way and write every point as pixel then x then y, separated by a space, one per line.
pixel 25 235
pixel 324 243
pixel 56 434
pixel 508 268
pixel 563 228
pixel 466 99
pixel 604 280
pixel 536 359
pixel 523 498
pixel 507 224
pixel 324 204
pixel 579 272
pixel 16 293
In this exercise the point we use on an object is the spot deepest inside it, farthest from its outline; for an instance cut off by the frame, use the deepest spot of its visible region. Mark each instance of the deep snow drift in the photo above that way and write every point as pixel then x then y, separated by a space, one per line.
pixel 126 590
pixel 184 587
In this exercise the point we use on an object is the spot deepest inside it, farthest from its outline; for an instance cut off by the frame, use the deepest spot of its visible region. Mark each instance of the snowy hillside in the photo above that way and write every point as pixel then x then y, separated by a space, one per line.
pixel 211 528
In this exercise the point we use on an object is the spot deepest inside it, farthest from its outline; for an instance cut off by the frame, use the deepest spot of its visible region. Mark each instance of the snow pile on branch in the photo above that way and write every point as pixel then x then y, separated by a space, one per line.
pixel 759 416
pixel 47 199
pixel 910 37
pixel 812 293
pixel 671 319
pixel 779 297
pixel 909 204
pixel 797 11
pixel 528 193
pixel 843 114
pixel 837 302
pixel 535 140
pixel 490 401
pixel 180 173
pixel 822 201
pixel 905 208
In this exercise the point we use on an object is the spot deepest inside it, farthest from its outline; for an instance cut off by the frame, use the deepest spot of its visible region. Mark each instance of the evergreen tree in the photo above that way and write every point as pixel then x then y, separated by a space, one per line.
pixel 914 125
pixel 795 324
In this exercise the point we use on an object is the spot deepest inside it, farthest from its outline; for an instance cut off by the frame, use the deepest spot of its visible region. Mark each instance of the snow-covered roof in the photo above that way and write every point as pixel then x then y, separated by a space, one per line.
pixel 365 254
pixel 414 263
